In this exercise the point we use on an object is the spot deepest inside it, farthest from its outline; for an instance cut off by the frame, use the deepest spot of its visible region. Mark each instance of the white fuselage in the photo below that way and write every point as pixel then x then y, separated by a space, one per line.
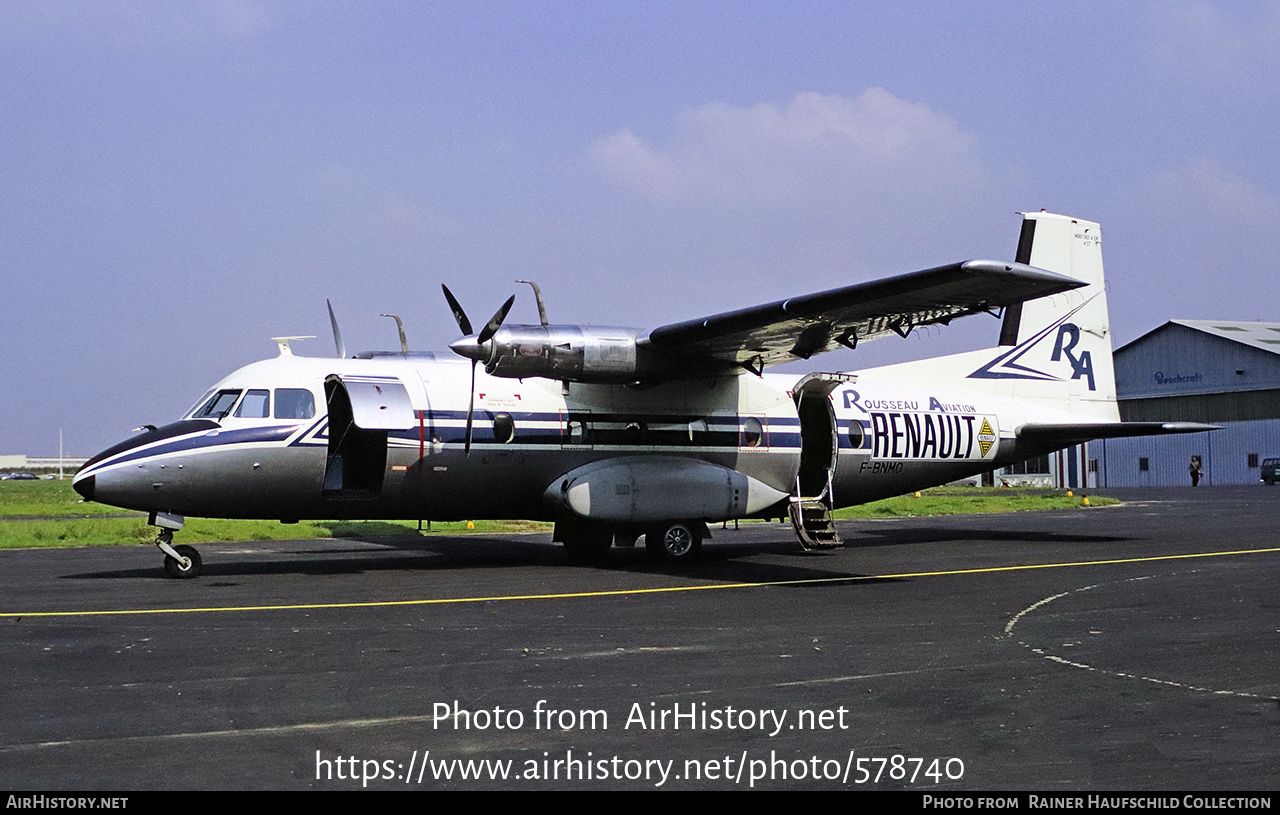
pixel 888 437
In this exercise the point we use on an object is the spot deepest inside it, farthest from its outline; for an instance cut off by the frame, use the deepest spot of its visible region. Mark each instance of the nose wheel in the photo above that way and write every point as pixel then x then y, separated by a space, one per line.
pixel 180 562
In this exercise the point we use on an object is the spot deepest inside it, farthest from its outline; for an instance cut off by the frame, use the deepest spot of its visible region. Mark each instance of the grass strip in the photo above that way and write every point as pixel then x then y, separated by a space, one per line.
pixel 54 499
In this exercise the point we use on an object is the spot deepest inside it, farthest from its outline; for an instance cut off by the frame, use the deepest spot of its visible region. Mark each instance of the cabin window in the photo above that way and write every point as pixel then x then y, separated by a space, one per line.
pixel 752 432
pixel 504 428
pixel 633 433
pixel 697 430
pixel 295 403
pixel 218 406
pixel 855 434
pixel 255 405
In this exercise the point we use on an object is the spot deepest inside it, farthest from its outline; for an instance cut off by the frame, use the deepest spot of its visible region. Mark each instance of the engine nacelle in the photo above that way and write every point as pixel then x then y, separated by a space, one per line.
pixel 566 352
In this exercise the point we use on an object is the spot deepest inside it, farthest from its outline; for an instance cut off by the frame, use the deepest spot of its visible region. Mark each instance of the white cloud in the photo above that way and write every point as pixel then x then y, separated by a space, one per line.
pixel 741 204
pixel 875 146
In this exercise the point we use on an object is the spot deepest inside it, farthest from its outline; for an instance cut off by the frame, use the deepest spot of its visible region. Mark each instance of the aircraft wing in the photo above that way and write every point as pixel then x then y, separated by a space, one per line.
pixel 799 327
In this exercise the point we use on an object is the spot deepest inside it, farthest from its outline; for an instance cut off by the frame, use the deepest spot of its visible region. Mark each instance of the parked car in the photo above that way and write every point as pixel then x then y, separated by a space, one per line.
pixel 1269 467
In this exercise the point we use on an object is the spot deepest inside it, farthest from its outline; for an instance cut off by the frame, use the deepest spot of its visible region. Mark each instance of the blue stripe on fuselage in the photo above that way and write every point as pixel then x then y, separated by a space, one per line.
pixel 212 438
pixel 722 432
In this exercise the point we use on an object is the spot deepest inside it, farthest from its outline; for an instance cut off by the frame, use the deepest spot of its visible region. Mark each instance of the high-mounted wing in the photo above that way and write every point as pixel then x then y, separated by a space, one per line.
pixel 799 327
pixel 753 338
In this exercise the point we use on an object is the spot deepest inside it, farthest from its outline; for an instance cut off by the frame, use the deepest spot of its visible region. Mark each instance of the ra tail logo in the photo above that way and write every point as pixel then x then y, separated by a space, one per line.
pixel 1065 337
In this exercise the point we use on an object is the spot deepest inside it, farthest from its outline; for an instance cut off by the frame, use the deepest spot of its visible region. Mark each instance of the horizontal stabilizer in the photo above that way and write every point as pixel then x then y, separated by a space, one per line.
pixel 1061 435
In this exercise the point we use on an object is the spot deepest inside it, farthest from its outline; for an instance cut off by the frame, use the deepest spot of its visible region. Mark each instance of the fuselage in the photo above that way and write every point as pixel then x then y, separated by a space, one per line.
pixel 294 438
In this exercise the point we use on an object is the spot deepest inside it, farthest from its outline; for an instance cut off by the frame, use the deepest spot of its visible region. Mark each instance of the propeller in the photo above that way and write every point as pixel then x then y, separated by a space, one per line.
pixel 537 295
pixel 495 322
pixel 404 344
pixel 458 313
pixel 337 335
pixel 474 349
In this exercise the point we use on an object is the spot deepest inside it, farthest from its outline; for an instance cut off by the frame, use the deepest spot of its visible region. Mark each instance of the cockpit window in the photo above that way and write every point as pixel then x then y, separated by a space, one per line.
pixel 255 405
pixel 199 404
pixel 294 403
pixel 218 406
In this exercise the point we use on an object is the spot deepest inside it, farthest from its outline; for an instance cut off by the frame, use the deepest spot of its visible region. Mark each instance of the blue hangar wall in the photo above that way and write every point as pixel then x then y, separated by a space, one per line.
pixel 1220 372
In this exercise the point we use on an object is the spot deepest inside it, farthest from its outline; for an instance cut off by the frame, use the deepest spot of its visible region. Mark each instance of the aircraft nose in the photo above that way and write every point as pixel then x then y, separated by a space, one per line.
pixel 84 485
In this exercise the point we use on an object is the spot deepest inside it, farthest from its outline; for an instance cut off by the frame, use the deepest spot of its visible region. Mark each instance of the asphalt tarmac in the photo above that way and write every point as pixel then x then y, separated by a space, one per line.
pixel 1123 648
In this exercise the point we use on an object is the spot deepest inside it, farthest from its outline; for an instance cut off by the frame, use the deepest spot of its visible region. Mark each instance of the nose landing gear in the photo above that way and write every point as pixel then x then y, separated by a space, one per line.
pixel 180 562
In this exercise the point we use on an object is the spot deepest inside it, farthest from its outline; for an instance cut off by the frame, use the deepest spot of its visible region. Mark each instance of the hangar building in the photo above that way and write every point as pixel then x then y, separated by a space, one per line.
pixel 1215 371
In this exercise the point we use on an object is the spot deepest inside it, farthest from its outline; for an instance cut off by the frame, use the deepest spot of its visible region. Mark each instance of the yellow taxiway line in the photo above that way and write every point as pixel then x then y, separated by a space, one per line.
pixel 624 592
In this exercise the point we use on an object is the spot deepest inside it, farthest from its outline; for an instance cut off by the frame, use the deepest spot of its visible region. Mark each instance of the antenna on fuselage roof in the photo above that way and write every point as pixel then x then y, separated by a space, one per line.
pixel 283 342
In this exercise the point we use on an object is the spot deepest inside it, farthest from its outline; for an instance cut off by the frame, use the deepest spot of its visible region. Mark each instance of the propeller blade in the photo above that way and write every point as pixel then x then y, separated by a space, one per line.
pixel 471 407
pixel 337 335
pixel 458 313
pixel 404 344
pixel 494 324
pixel 537 295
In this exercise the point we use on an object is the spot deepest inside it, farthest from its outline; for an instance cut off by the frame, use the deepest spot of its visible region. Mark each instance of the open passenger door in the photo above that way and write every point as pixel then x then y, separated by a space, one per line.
pixel 361 411
pixel 812 500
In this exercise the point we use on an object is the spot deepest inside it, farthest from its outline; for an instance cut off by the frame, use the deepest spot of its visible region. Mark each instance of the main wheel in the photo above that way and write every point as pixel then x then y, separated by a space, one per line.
pixel 174 568
pixel 676 542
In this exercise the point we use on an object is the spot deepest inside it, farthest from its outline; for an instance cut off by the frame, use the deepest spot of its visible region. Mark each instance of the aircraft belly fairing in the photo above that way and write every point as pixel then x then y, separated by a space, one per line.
pixel 649 489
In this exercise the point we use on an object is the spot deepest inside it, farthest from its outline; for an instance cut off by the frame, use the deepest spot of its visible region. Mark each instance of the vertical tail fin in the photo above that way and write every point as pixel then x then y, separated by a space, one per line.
pixel 1069 246
pixel 1064 339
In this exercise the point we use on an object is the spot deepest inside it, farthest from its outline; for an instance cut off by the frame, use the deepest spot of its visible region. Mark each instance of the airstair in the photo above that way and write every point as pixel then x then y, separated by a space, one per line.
pixel 811 518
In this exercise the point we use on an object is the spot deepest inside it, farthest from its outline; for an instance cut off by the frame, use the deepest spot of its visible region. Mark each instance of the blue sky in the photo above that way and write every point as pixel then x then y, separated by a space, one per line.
pixel 181 181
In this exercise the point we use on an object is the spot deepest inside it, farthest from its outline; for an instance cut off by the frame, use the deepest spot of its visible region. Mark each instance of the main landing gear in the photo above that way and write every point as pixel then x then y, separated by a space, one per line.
pixel 180 562
pixel 673 542
pixel 677 542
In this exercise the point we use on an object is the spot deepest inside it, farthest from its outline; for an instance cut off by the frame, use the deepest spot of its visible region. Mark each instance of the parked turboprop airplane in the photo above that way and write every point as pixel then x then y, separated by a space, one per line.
pixel 614 433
